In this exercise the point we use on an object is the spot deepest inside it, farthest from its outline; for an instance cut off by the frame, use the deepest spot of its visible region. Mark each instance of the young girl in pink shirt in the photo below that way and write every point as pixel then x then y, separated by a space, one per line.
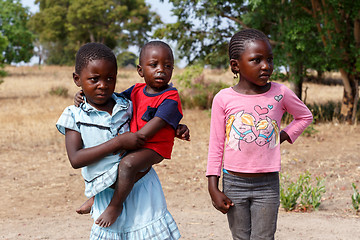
pixel 245 138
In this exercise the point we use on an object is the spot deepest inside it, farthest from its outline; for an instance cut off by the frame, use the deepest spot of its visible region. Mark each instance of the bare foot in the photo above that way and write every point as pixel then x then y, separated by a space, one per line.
pixel 86 207
pixel 109 216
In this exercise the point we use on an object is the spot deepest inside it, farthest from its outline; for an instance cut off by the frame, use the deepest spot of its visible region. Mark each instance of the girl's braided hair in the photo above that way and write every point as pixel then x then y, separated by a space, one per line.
pixel 240 39
pixel 93 51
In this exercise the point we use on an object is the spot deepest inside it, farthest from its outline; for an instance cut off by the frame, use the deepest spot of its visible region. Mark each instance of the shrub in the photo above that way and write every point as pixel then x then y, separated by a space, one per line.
pixel 310 196
pixel 325 112
pixel 127 58
pixel 193 90
pixel 59 91
pixel 309 131
pixel 2 74
pixel 289 193
pixel 355 198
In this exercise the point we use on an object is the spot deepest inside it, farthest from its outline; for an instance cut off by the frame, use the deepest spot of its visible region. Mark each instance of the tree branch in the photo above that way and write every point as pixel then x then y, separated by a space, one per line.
pixel 235 20
pixel 357 31
pixel 314 5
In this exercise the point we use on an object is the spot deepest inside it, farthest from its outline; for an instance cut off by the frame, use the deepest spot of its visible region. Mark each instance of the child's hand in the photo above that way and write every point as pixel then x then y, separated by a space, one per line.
pixel 221 202
pixel 182 132
pixel 131 141
pixel 284 137
pixel 78 99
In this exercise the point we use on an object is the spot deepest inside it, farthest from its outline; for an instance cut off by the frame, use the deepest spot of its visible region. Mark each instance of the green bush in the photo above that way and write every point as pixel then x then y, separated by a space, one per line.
pixel 355 198
pixel 289 193
pixel 59 91
pixel 325 112
pixel 303 189
pixel 3 73
pixel 126 58
pixel 194 92
pixel 309 131
pixel 311 195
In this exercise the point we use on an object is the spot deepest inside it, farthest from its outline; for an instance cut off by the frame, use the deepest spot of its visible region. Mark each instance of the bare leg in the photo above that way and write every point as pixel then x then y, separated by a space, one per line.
pixel 86 207
pixel 129 166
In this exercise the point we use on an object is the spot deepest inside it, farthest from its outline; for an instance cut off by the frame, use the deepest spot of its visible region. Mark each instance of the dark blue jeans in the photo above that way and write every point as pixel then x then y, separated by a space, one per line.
pixel 256 204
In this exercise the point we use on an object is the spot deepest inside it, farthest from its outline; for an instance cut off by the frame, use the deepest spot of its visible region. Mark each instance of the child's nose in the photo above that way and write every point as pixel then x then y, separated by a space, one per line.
pixel 265 65
pixel 161 68
pixel 103 84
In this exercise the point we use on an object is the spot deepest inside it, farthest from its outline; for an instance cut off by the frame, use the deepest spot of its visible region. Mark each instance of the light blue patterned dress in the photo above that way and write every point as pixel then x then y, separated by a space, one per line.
pixel 145 214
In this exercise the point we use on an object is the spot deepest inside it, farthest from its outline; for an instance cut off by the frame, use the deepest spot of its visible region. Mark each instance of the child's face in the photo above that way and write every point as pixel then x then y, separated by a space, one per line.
pixel 156 68
pixel 256 63
pixel 97 80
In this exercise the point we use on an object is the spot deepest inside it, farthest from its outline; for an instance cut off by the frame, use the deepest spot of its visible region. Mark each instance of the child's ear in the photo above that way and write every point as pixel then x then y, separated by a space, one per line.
pixel 234 64
pixel 140 70
pixel 76 79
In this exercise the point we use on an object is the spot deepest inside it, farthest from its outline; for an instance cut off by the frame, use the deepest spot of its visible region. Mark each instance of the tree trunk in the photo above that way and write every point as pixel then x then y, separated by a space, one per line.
pixel 296 80
pixel 350 97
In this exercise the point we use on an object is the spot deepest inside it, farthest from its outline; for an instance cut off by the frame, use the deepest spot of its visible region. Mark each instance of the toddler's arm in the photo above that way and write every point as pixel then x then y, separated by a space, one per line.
pixel 182 131
pixel 78 98
pixel 80 157
pixel 152 127
pixel 220 201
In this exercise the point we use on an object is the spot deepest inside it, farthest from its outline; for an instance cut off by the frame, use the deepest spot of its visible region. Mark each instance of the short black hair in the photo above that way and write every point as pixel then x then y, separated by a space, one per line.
pixel 155 44
pixel 240 39
pixel 93 51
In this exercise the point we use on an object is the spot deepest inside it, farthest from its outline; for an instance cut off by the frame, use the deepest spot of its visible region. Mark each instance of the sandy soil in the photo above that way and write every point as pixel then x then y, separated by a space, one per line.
pixel 40 190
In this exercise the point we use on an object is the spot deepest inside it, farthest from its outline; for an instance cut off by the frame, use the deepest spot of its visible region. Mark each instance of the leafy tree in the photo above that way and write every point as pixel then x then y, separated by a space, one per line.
pixel 321 35
pixel 294 37
pixel 203 29
pixel 15 38
pixel 3 45
pixel 126 58
pixel 338 24
pixel 64 25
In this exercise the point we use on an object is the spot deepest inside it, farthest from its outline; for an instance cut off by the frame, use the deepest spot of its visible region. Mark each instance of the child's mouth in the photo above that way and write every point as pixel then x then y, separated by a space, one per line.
pixel 159 80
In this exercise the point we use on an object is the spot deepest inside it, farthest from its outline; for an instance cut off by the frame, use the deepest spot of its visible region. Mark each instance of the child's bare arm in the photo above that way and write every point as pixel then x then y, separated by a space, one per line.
pixel 182 131
pixel 156 123
pixel 152 127
pixel 80 157
pixel 220 201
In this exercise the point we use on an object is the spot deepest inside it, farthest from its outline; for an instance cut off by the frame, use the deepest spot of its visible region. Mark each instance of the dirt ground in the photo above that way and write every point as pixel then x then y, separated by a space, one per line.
pixel 40 190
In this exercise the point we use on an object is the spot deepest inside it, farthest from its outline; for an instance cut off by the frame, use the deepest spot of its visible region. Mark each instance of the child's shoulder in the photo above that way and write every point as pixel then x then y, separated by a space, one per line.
pixel 277 85
pixel 121 98
pixel 280 88
pixel 225 91
pixel 73 111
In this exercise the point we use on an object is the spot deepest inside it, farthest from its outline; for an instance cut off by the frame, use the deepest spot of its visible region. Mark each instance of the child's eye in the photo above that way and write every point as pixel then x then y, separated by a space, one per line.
pixel 169 66
pixel 94 79
pixel 257 60
pixel 270 60
pixel 109 79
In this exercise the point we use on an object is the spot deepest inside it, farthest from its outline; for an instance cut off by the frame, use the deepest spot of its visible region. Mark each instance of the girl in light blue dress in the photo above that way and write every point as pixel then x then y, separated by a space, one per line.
pixel 94 134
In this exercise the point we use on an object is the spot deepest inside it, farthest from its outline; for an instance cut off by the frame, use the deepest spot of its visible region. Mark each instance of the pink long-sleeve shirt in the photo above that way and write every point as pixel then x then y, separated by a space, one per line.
pixel 245 129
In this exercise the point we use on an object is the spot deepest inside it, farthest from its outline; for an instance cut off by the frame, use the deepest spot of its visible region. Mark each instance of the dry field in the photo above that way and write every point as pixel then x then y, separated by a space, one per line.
pixel 40 190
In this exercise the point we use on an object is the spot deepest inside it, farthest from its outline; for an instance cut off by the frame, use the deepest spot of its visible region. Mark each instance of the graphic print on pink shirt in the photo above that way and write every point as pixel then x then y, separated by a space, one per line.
pixel 244 127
